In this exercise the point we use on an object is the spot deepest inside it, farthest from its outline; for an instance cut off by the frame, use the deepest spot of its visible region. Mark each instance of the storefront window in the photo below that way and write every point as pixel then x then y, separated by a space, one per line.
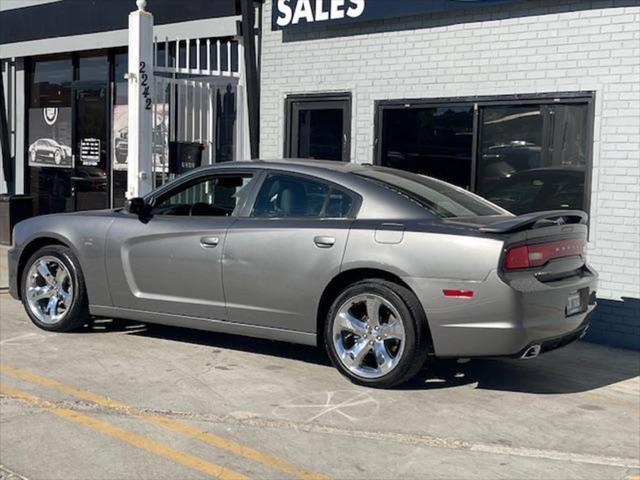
pixel 95 69
pixel 433 141
pixel 51 83
pixel 120 145
pixel 529 156
pixel 49 153
pixel 533 157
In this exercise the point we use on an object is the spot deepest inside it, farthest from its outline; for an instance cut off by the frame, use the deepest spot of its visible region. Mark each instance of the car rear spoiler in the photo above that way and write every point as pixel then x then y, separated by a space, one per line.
pixel 536 220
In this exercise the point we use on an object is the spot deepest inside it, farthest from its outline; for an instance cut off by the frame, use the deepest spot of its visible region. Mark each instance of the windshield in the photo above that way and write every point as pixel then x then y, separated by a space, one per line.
pixel 440 198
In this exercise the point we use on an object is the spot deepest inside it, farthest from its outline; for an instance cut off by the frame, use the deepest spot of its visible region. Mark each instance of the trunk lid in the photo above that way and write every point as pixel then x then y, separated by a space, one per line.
pixel 548 245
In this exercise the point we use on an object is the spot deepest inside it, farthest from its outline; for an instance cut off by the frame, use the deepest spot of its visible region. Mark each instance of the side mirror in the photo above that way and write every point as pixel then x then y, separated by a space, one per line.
pixel 136 206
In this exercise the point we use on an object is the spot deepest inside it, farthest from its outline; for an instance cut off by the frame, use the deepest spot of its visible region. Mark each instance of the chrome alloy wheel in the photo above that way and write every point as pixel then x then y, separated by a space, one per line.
pixel 49 290
pixel 368 336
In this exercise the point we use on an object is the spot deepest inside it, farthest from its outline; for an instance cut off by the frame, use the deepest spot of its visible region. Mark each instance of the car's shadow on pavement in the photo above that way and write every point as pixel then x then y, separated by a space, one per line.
pixel 579 367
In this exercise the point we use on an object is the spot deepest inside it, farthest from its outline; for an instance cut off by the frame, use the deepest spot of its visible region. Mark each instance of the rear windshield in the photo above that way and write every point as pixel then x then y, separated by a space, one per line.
pixel 440 198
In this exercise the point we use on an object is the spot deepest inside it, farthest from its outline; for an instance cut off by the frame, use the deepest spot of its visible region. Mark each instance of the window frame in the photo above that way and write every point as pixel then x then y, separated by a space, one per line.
pixel 194 178
pixel 316 99
pixel 478 102
pixel 356 200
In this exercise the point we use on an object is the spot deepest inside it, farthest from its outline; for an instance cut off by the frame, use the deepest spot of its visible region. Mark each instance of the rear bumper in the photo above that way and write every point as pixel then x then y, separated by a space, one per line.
pixel 550 344
pixel 500 319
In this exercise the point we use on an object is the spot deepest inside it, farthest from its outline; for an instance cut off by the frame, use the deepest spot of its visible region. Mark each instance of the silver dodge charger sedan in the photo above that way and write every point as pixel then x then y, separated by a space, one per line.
pixel 381 267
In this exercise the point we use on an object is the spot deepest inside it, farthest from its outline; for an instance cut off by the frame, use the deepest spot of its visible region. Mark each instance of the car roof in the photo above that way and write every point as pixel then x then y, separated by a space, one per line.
pixel 332 165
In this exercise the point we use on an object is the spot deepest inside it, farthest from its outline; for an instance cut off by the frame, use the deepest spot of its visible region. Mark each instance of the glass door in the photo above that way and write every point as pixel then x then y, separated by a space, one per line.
pixel 90 181
pixel 319 127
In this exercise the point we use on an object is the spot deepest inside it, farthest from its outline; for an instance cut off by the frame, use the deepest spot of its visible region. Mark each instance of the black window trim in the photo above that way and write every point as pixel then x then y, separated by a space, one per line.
pixel 578 97
pixel 356 200
pixel 293 98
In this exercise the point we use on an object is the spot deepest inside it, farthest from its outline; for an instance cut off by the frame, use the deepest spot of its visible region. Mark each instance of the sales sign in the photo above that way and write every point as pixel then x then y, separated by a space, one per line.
pixel 298 13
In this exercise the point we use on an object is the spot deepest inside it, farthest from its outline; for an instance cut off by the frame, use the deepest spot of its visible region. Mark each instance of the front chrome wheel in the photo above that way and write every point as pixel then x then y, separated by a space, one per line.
pixel 368 336
pixel 49 290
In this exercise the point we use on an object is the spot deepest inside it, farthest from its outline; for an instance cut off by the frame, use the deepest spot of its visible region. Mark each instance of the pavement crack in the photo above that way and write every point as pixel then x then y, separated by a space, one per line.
pixel 395 437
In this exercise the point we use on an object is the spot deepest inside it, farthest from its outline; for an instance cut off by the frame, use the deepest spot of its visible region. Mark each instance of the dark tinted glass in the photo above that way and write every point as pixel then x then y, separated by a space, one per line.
pixel 51 83
pixel 320 134
pixel 431 141
pixel 212 197
pixel 533 157
pixel 290 196
pixel 438 197
pixel 93 69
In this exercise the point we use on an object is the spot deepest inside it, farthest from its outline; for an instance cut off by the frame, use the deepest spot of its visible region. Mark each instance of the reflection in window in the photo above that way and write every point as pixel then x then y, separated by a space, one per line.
pixel 51 83
pixel 120 134
pixel 290 196
pixel 93 69
pixel 212 197
pixel 432 141
pixel 533 157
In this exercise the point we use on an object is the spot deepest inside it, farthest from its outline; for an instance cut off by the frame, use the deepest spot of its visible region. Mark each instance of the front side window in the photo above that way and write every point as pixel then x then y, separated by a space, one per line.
pixel 216 196
pixel 439 198
pixel 284 196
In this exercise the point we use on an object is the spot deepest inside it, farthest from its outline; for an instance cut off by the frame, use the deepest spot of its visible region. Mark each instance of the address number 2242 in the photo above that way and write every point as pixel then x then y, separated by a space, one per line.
pixel 144 83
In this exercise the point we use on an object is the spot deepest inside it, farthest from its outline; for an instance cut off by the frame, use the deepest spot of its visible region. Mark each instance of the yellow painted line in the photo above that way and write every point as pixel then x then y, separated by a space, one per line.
pixel 236 448
pixel 633 477
pixel 126 436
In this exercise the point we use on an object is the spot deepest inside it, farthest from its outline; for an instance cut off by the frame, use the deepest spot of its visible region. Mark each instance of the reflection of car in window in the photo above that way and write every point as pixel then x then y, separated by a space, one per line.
pixel 121 146
pixel 90 179
pixel 47 150
pixel 540 189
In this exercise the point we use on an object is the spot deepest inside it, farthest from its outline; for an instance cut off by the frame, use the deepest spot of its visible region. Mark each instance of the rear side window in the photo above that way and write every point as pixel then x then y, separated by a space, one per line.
pixel 440 198
pixel 290 196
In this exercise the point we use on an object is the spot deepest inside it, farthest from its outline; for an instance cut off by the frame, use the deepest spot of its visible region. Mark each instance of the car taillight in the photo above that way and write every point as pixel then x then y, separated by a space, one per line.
pixel 527 256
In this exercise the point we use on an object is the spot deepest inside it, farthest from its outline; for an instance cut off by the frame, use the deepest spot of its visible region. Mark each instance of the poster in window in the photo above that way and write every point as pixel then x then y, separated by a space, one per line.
pixel 121 137
pixel 50 137
pixel 90 151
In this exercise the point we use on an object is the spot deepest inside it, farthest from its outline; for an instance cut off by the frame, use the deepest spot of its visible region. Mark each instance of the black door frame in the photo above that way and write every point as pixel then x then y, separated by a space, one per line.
pixel 317 101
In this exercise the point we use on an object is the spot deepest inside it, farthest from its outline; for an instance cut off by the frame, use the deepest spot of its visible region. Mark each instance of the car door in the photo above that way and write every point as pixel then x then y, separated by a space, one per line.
pixel 172 262
pixel 281 255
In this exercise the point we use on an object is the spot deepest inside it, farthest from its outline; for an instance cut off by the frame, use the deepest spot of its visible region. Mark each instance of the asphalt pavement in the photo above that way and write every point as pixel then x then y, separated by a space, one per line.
pixel 123 400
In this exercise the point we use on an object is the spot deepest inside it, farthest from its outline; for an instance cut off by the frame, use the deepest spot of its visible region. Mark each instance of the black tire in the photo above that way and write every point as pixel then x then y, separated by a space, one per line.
pixel 78 313
pixel 416 329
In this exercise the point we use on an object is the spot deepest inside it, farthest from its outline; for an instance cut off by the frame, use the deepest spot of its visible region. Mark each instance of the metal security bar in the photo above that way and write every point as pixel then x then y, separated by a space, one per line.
pixel 196 98
pixel 200 56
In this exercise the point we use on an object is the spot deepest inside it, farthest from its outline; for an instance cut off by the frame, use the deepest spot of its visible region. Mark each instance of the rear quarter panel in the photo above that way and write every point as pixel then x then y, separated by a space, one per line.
pixel 429 259
pixel 84 234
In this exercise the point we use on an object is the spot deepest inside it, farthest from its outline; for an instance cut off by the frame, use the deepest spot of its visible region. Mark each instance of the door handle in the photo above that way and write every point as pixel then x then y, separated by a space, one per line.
pixel 209 242
pixel 324 242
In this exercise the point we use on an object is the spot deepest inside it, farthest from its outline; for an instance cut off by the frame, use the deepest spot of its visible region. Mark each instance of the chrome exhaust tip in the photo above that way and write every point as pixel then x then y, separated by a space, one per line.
pixel 531 352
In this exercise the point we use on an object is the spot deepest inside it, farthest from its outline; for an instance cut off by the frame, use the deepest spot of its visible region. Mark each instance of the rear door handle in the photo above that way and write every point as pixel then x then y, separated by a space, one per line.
pixel 324 242
pixel 209 242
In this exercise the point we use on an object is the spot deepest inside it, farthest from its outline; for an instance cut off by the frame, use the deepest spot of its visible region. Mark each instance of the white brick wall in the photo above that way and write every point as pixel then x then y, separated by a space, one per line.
pixel 547 47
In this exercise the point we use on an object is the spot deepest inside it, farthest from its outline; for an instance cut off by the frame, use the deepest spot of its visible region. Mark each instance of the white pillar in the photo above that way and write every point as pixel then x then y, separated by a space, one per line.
pixel 140 76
